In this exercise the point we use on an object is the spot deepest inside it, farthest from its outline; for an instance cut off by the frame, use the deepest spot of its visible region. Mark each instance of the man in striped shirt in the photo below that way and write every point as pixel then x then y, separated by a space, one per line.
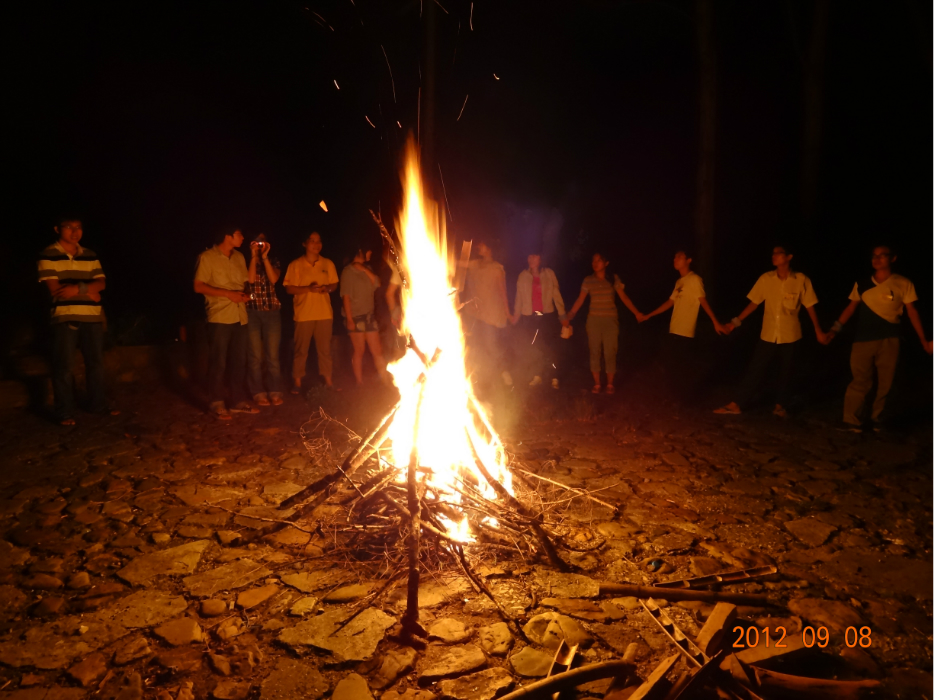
pixel 75 280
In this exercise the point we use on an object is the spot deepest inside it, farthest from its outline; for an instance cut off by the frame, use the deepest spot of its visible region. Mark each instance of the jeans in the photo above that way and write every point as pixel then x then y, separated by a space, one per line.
pixel 227 342
pixel 265 332
pixel 603 334
pixel 65 338
pixel 762 359
pixel 866 356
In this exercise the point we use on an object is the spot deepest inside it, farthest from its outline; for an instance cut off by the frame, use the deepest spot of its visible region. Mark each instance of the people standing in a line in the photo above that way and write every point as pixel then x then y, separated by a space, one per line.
pixel 686 301
pixel 310 279
pixel 358 287
pixel 75 279
pixel 879 302
pixel 487 304
pixel 602 319
pixel 221 276
pixel 539 312
pixel 784 293
pixel 264 378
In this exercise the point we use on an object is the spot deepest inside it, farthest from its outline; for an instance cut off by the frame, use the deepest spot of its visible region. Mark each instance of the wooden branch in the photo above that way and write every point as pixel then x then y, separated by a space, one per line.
pixel 543 689
pixel 629 589
pixel 580 492
pixel 481 585
pixel 410 626
pixel 534 524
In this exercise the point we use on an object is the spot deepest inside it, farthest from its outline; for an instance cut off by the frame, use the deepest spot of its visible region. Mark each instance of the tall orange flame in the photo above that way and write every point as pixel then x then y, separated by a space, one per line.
pixel 448 412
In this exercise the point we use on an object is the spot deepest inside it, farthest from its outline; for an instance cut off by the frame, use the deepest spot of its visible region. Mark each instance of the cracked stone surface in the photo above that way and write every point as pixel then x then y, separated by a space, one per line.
pixel 108 509
pixel 355 641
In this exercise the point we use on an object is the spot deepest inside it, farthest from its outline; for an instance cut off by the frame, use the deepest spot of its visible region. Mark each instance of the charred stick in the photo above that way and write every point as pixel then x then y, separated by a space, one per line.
pixel 481 585
pixel 404 512
pixel 579 492
pixel 410 625
pixel 534 525
pixel 353 460
pixel 657 592
pixel 544 689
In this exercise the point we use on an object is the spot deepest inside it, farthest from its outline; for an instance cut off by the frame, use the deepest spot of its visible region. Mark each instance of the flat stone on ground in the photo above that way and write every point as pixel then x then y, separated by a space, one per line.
pixel 292 679
pixel 531 662
pixel 54 644
pixel 484 685
pixel 603 611
pixel 451 661
pixel 213 607
pixel 236 574
pixel 231 690
pixel 89 669
pixel 811 531
pixel 311 581
pixel 448 630
pixel 136 648
pixel 357 641
pixel 352 687
pixel 548 629
pixel 396 662
pixel 304 606
pixel 495 639
pixel 176 561
pixel 347 594
pixel 836 615
pixel 560 585
pixel 254 596
pixel 179 632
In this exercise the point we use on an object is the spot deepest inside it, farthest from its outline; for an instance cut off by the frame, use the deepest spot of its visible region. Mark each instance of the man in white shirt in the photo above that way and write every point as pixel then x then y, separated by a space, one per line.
pixel 784 293
pixel 685 301
pixel 879 301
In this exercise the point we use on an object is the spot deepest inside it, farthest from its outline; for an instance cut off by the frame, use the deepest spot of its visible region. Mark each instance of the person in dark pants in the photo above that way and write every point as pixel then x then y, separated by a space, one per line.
pixel 265 327
pixel 681 349
pixel 539 313
pixel 784 293
pixel 878 302
pixel 220 276
pixel 75 279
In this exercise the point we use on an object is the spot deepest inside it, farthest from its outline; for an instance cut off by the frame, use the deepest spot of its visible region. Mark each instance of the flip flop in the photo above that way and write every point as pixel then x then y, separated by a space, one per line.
pixel 610 389
pixel 779 411
pixel 596 389
pixel 295 390
pixel 67 422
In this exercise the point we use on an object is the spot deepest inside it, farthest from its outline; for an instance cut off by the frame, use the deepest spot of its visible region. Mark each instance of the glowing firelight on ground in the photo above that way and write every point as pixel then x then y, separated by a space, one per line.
pixel 446 413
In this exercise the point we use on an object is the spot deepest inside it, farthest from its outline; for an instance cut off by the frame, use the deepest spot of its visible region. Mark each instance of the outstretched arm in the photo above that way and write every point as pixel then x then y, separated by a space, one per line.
pixel 716 324
pixel 628 303
pixel 660 310
pixel 915 319
pixel 821 336
pixel 752 306
pixel 577 305
pixel 840 322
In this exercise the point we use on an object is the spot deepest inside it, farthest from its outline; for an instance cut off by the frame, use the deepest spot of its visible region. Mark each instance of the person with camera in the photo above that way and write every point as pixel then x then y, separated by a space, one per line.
pixel 221 276
pixel 264 378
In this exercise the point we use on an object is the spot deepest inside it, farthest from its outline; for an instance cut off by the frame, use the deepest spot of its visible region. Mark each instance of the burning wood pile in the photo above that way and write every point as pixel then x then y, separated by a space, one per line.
pixel 431 477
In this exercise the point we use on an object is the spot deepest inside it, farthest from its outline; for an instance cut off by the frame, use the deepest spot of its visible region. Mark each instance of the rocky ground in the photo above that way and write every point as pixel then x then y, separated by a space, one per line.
pixel 123 573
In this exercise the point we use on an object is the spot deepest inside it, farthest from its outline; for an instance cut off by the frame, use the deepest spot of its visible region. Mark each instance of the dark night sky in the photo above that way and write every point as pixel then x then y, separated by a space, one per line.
pixel 159 122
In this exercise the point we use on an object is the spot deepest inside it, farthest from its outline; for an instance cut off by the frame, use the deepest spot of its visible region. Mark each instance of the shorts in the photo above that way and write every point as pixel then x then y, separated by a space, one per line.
pixel 365 323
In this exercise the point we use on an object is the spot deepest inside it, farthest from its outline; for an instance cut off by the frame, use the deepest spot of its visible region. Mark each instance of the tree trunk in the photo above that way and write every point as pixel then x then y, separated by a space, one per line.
pixel 704 236
pixel 813 114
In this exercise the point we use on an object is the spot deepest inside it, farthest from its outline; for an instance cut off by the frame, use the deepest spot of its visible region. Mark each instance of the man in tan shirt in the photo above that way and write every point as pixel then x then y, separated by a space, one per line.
pixel 784 292
pixel 310 280
pixel 220 276
pixel 487 303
